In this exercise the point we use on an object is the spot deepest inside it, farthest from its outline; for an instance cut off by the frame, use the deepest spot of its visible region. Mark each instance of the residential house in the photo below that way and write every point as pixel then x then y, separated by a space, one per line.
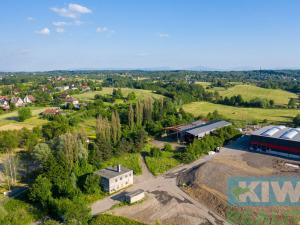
pixel 71 100
pixel 52 112
pixel 113 179
pixel 29 99
pixel 4 103
pixel 17 101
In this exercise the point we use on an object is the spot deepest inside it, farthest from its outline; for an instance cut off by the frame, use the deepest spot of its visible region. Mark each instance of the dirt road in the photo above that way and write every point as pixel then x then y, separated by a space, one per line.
pixel 166 202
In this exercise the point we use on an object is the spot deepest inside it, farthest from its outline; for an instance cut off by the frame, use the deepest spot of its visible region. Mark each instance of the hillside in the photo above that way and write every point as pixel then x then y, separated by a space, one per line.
pixel 242 114
pixel 249 92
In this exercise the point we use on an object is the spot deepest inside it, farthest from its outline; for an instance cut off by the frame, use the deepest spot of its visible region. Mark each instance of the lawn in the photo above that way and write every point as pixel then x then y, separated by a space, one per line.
pixel 140 93
pixel 128 160
pixel 8 121
pixel 159 165
pixel 106 219
pixel 249 92
pixel 242 114
pixel 16 212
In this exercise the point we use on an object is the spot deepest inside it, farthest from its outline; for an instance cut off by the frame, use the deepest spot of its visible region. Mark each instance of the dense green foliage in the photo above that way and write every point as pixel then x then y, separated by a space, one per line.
pixel 24 114
pixel 208 143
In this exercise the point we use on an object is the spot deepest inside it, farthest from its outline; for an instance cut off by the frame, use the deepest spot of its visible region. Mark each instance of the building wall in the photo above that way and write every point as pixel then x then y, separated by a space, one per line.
pixel 136 198
pixel 120 182
pixel 275 144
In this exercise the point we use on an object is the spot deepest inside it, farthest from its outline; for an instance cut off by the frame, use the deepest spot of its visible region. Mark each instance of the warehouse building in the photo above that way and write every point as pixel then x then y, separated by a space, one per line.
pixel 278 140
pixel 197 129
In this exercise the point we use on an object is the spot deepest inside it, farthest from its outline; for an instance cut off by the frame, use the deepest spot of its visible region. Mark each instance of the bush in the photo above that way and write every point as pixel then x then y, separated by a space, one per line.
pixel 168 148
pixel 155 152
pixel 91 184
pixel 24 114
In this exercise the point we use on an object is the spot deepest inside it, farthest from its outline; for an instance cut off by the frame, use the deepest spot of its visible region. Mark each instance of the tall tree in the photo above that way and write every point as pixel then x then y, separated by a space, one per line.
pixel 103 129
pixel 115 127
pixel 139 113
pixel 131 117
pixel 148 109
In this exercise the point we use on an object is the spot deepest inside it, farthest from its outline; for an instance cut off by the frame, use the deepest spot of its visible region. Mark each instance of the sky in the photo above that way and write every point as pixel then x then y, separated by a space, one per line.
pixel 41 35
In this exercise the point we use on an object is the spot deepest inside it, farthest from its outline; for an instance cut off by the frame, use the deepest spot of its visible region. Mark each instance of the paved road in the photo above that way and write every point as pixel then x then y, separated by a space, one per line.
pixel 165 183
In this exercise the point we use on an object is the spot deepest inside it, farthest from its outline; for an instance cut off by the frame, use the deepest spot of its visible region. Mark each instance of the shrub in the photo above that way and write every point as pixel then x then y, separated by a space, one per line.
pixel 24 114
pixel 155 152
pixel 91 184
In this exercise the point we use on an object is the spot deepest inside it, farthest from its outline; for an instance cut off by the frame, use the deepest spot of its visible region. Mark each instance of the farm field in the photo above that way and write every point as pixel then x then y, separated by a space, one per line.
pixel 140 93
pixel 8 121
pixel 242 114
pixel 249 92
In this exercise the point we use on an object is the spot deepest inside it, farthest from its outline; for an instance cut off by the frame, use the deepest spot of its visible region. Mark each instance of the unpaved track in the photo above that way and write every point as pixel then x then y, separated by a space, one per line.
pixel 167 199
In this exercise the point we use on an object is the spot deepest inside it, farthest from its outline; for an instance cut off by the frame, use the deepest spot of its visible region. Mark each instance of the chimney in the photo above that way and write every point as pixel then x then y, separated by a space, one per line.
pixel 119 168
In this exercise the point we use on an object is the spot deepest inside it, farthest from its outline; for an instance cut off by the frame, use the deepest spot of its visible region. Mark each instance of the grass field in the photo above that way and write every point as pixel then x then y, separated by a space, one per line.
pixel 249 92
pixel 106 219
pixel 159 165
pixel 140 93
pixel 129 160
pixel 8 121
pixel 242 114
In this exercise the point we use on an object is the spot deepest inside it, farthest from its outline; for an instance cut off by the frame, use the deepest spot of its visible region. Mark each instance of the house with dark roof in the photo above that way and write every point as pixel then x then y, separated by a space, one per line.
pixel 113 179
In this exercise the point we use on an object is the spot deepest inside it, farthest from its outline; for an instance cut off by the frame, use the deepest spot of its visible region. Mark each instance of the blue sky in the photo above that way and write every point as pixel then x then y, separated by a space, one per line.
pixel 233 34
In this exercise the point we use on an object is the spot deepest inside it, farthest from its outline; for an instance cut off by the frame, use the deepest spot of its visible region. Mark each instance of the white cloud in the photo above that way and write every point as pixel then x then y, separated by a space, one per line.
pixel 60 29
pixel 44 31
pixel 163 35
pixel 101 29
pixel 72 11
pixel 30 19
pixel 60 24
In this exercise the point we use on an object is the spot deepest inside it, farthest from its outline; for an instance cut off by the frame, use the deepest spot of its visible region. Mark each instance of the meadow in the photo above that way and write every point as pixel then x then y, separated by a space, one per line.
pixel 249 92
pixel 128 160
pixel 9 121
pixel 159 165
pixel 140 93
pixel 242 114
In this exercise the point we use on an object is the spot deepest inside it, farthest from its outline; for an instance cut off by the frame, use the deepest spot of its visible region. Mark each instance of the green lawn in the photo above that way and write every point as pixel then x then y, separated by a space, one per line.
pixel 242 114
pixel 106 219
pixel 128 160
pixel 8 121
pixel 249 92
pixel 140 93
pixel 16 212
pixel 161 164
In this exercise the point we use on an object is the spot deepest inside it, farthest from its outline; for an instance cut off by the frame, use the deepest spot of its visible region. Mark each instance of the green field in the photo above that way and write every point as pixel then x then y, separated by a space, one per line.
pixel 140 93
pixel 249 92
pixel 242 114
pixel 8 121
pixel 129 160
pixel 106 219
pixel 159 165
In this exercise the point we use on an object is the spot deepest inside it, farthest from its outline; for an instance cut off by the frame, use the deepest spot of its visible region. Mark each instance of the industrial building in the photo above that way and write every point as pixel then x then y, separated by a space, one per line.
pixel 278 140
pixel 197 129
pixel 113 179
pixel 135 196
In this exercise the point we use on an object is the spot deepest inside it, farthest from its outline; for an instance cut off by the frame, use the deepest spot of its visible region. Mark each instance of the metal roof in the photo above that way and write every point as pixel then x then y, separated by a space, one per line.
pixel 279 132
pixel 208 127
pixel 181 128
pixel 111 172
pixel 134 193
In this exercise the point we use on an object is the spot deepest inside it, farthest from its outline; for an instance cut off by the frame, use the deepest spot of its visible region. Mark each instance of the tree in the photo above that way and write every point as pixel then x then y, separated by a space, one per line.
pixel 148 109
pixel 296 120
pixel 8 141
pixel 10 170
pixel 131 117
pixel 103 129
pixel 41 191
pixel 24 114
pixel 91 184
pixel 41 153
pixel 115 127
pixel 139 113
pixel 292 103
